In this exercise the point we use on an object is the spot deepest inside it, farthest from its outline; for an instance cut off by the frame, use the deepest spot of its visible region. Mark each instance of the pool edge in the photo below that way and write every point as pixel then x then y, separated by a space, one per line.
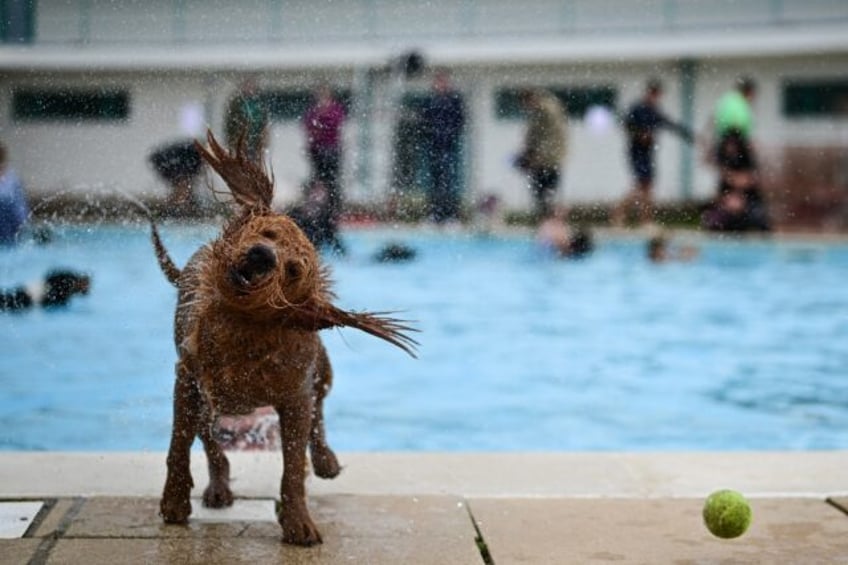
pixel 816 474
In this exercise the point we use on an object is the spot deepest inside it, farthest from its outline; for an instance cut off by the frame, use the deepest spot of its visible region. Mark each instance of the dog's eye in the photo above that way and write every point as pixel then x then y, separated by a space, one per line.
pixel 270 234
pixel 293 269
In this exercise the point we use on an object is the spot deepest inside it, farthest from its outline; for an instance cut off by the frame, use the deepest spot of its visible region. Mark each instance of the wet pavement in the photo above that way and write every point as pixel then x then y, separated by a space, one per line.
pixel 490 519
pixel 437 530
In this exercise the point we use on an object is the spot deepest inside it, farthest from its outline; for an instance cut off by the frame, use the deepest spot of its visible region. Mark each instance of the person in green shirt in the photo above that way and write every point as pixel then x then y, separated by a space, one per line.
pixel 740 204
pixel 733 111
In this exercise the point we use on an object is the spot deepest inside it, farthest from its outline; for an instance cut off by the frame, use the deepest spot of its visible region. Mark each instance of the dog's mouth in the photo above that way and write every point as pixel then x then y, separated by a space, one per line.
pixel 255 266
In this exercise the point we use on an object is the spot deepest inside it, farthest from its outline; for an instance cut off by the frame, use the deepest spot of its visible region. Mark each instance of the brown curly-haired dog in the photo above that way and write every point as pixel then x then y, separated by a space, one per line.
pixel 246 329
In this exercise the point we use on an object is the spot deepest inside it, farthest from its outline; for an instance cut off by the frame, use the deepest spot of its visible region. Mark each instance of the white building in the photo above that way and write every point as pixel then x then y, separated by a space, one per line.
pixel 124 75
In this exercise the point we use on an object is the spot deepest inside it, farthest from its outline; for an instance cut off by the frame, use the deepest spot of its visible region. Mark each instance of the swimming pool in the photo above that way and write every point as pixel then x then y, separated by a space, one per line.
pixel 742 349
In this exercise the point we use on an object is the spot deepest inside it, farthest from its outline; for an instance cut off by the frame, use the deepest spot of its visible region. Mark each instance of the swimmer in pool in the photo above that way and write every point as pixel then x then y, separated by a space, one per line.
pixel 57 289
pixel 660 251
pixel 557 236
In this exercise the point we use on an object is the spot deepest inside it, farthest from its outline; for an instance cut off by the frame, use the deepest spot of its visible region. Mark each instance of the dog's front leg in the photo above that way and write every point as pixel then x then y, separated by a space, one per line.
pixel 218 493
pixel 175 506
pixel 295 419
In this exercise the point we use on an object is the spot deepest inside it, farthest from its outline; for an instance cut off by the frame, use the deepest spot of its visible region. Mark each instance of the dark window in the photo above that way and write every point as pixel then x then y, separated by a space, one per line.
pixel 71 104
pixel 575 100
pixel 289 105
pixel 17 21
pixel 815 98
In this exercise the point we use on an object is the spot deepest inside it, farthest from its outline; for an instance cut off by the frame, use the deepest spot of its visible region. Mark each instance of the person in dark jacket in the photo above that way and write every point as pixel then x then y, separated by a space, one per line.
pixel 642 122
pixel 443 118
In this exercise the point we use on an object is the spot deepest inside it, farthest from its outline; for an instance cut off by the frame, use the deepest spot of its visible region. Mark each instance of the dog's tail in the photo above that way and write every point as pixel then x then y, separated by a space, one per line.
pixel 172 273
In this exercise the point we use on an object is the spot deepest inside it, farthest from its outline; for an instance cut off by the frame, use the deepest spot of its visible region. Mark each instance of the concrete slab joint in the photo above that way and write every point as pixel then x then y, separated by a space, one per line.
pixel 439 509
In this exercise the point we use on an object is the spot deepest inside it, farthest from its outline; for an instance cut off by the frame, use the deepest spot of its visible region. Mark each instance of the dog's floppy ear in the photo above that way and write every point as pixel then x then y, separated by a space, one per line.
pixel 319 315
pixel 247 180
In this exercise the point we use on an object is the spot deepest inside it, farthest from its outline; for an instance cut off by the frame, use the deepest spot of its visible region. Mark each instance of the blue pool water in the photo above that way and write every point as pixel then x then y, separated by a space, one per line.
pixel 742 349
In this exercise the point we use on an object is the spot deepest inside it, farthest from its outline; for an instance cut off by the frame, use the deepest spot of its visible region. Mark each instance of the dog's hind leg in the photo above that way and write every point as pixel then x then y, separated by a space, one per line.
pixel 295 420
pixel 324 461
pixel 218 493
pixel 175 506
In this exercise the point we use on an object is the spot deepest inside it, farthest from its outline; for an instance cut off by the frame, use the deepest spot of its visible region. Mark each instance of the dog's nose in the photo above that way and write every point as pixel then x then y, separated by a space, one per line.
pixel 258 261
pixel 260 258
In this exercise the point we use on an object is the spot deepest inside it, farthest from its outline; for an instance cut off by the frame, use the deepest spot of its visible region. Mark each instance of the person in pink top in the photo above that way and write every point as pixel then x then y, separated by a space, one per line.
pixel 323 123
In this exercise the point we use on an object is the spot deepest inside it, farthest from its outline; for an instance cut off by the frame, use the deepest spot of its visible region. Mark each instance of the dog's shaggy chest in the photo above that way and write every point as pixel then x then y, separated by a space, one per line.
pixel 242 370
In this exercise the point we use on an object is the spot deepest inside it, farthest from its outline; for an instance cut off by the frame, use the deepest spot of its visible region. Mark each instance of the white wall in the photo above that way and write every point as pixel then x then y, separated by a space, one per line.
pixel 79 157
pixel 75 157
pixel 83 157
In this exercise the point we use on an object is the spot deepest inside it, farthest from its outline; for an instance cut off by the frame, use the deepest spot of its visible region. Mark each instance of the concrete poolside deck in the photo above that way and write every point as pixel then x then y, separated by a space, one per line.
pixel 435 508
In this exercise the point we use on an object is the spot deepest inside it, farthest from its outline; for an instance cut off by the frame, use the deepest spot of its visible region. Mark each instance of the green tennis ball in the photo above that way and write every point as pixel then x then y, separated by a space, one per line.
pixel 727 514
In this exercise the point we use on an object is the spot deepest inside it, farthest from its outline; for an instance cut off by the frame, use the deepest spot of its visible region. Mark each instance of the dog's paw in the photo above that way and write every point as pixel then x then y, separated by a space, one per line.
pixel 175 510
pixel 217 495
pixel 325 464
pixel 299 529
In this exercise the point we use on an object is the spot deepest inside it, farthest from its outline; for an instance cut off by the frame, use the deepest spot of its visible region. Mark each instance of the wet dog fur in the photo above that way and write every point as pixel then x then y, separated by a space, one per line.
pixel 249 310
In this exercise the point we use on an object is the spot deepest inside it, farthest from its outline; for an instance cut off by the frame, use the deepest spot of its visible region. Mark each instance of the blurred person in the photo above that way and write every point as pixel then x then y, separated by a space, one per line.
pixel 734 115
pixel 395 252
pixel 323 123
pixel 544 149
pixel 734 110
pixel 555 236
pixel 739 204
pixel 443 119
pixel 738 167
pixel 246 120
pixel 178 163
pixel 725 214
pixel 407 148
pixel 486 217
pixel 14 209
pixel 55 290
pixel 642 122
pixel 314 216
pixel 659 250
